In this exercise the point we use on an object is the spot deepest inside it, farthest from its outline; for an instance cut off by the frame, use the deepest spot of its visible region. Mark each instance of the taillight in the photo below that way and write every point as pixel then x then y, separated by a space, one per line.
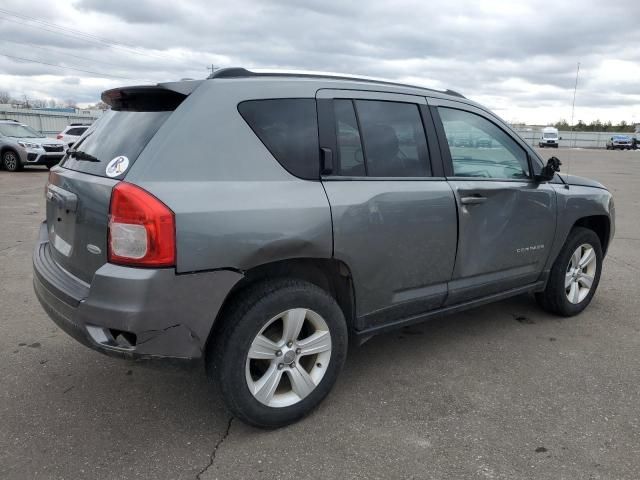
pixel 59 136
pixel 141 229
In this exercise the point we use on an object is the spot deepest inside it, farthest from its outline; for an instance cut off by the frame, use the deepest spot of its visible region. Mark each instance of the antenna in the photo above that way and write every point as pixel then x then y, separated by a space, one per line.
pixel 573 109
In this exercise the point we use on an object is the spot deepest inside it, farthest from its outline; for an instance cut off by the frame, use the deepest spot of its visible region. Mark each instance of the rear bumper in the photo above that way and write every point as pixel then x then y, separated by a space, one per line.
pixel 132 312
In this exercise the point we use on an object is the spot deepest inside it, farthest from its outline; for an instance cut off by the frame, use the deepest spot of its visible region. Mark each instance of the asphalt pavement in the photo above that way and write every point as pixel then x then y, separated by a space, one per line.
pixel 505 391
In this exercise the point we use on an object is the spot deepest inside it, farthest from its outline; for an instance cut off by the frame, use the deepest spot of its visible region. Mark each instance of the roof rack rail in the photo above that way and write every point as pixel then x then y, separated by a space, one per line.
pixel 9 120
pixel 79 124
pixel 240 72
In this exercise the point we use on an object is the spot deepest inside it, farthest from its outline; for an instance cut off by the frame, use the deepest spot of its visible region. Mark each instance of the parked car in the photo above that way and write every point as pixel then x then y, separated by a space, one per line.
pixel 21 145
pixel 636 141
pixel 621 142
pixel 484 142
pixel 549 138
pixel 268 255
pixel 72 133
pixel 462 141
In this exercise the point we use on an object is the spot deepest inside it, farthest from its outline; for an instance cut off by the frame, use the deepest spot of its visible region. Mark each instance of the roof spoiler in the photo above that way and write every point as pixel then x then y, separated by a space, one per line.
pixel 149 98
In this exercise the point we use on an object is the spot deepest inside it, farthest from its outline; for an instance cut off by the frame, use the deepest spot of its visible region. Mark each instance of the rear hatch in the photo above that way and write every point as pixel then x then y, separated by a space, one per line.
pixel 79 191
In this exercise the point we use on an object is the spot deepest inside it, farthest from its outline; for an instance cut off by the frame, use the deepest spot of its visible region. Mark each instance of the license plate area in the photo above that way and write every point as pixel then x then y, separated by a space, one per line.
pixel 61 218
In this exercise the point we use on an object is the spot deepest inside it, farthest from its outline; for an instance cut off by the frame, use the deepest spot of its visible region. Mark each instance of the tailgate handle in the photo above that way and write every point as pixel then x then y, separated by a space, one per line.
pixel 473 200
pixel 62 198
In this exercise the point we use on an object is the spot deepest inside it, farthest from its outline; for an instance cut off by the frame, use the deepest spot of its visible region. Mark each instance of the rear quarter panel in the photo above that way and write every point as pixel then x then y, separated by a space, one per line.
pixel 235 205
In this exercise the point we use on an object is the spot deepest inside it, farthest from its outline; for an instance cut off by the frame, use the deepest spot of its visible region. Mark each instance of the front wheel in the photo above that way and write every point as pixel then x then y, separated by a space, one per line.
pixel 11 161
pixel 575 274
pixel 278 352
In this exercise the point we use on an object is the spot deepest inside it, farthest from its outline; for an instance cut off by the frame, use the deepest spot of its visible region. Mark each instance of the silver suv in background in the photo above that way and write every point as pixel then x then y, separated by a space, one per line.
pixel 262 221
pixel 21 145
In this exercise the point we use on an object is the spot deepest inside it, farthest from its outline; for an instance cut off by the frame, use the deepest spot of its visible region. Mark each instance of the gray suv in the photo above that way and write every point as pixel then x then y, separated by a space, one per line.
pixel 262 222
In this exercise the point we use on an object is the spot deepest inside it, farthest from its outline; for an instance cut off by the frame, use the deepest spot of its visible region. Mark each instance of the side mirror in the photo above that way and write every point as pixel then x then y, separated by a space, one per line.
pixel 560 138
pixel 549 170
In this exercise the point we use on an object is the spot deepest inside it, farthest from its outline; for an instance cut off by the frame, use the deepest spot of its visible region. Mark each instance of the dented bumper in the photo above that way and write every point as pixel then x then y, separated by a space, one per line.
pixel 132 312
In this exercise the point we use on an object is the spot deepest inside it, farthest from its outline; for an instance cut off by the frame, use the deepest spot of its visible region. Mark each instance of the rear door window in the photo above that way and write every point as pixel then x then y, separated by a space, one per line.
pixel 116 133
pixel 350 156
pixel 395 144
pixel 77 131
pixel 288 127
pixel 380 139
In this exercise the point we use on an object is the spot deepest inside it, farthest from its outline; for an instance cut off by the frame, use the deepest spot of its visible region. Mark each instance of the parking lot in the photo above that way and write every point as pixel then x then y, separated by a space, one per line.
pixel 503 391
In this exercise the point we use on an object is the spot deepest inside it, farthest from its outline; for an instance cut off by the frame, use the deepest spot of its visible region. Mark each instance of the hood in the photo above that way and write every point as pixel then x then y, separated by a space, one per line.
pixel 581 181
pixel 39 140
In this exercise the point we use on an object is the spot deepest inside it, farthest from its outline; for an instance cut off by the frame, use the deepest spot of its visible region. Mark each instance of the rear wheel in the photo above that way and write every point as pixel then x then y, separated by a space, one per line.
pixel 279 352
pixel 11 161
pixel 575 274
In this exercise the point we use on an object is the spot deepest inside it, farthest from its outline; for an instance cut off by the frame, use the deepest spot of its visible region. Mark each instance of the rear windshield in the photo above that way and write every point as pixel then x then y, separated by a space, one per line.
pixel 115 134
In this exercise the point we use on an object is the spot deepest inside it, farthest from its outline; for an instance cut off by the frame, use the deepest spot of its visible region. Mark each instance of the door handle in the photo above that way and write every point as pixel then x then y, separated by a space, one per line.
pixel 473 200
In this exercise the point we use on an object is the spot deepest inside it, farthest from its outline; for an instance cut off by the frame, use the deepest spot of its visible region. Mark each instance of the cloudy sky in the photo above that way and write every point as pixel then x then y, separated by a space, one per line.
pixel 517 57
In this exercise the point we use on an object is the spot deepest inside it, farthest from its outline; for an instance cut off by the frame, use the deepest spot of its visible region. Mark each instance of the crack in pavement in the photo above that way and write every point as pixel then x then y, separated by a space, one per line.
pixel 212 456
pixel 622 263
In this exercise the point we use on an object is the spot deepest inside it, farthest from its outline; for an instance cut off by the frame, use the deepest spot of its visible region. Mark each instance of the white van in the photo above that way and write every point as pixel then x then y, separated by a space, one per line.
pixel 549 137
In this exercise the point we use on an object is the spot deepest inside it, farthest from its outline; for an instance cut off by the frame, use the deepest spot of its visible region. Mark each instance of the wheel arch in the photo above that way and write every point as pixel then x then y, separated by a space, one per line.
pixel 600 224
pixel 332 275
pixel 8 148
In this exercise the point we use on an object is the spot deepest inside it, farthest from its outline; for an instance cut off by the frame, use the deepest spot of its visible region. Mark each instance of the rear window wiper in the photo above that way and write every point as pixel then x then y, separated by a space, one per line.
pixel 80 155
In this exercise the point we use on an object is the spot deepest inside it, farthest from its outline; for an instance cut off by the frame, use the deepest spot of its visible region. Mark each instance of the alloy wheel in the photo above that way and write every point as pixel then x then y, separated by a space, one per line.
pixel 580 273
pixel 10 161
pixel 288 358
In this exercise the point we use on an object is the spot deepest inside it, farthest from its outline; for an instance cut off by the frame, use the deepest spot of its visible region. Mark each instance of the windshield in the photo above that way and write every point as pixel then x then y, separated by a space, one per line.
pixel 550 135
pixel 114 134
pixel 622 137
pixel 19 131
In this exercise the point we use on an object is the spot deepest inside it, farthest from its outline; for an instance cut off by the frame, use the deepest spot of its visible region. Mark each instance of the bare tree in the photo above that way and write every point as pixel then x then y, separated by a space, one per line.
pixel 38 103
pixel 71 103
pixel 99 106
pixel 5 97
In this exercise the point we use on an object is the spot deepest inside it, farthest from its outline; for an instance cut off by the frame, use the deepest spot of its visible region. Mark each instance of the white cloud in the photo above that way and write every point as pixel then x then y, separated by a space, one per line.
pixel 517 58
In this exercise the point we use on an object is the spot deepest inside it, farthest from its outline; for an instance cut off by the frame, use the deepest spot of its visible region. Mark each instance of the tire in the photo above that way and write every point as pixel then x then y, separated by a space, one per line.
pixel 555 297
pixel 260 311
pixel 11 161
